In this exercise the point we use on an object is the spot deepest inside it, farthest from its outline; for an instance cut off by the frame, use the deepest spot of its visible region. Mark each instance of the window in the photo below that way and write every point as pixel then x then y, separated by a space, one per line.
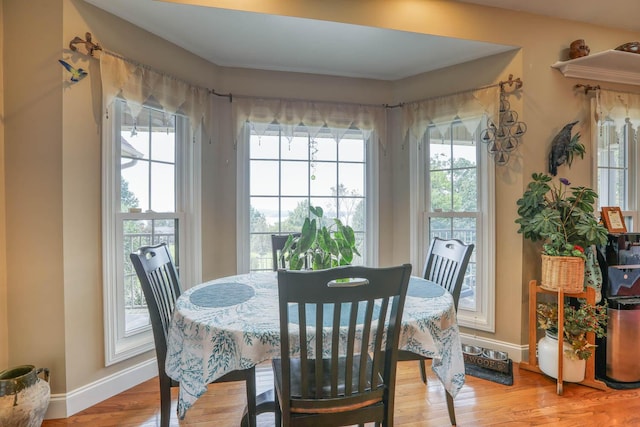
pixel 289 172
pixel 455 199
pixel 616 162
pixel 147 177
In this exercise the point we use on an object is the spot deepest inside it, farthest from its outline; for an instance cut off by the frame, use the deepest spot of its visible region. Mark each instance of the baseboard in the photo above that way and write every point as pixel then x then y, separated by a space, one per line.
pixel 63 405
pixel 516 352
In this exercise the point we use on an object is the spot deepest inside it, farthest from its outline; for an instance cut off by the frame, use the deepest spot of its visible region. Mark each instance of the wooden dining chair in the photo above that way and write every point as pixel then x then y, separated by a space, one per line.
pixel 348 320
pixel 277 244
pixel 161 287
pixel 446 265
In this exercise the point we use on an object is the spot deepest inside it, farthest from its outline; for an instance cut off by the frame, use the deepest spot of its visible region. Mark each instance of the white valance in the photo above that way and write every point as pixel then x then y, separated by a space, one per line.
pixel 468 106
pixel 314 115
pixel 140 84
pixel 617 106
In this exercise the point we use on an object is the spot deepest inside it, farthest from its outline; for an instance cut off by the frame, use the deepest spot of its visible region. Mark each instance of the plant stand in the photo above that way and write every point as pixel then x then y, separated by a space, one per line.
pixel 532 364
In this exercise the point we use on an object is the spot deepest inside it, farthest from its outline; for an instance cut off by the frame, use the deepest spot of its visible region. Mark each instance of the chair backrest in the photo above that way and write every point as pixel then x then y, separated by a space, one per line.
pixel 277 244
pixel 161 287
pixel 360 322
pixel 446 264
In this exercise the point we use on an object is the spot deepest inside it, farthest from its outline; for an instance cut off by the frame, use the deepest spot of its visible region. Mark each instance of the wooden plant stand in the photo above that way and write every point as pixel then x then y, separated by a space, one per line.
pixel 532 364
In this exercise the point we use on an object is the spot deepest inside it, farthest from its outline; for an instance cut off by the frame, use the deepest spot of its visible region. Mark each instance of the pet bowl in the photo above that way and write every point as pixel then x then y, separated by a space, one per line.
pixel 471 349
pixel 495 355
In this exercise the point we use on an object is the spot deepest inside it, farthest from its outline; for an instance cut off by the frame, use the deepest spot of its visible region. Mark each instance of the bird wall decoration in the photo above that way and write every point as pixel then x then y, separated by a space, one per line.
pixel 564 147
pixel 76 74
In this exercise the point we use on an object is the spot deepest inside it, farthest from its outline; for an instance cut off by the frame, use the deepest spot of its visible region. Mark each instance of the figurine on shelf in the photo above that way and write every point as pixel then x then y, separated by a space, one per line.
pixel 633 47
pixel 578 49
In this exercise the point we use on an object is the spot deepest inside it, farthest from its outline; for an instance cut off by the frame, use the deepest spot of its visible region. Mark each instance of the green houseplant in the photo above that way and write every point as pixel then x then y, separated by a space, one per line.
pixel 320 246
pixel 560 216
pixel 578 321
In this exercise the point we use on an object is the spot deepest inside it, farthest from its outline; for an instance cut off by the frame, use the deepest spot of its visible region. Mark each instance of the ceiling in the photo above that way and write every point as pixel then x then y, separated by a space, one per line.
pixel 268 42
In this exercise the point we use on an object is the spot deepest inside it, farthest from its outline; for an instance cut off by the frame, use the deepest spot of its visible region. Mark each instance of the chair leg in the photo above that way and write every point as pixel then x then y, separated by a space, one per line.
pixel 451 409
pixel 423 370
pixel 277 410
pixel 251 396
pixel 165 401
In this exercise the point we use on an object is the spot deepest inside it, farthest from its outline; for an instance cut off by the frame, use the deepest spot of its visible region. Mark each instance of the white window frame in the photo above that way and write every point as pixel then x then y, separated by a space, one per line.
pixel 484 318
pixel 370 256
pixel 118 345
pixel 631 212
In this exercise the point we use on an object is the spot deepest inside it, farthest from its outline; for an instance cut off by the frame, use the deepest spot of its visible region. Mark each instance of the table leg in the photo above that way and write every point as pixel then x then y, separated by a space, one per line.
pixel 265 402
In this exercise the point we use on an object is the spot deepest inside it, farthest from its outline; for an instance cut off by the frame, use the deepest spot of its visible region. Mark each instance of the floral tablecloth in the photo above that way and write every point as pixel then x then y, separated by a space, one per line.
pixel 233 323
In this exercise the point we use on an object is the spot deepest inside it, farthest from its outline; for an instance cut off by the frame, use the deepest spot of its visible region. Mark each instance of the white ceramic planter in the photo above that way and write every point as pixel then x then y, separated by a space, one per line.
pixel 572 370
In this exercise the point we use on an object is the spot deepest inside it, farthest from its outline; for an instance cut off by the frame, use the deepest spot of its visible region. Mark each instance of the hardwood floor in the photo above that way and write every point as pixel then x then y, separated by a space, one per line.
pixel 531 401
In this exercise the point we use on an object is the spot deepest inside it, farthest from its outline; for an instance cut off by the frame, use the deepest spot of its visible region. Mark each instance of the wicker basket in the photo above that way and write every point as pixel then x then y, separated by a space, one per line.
pixel 562 272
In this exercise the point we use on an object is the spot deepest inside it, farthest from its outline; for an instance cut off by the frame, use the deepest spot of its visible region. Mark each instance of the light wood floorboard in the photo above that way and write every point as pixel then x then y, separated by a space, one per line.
pixel 531 401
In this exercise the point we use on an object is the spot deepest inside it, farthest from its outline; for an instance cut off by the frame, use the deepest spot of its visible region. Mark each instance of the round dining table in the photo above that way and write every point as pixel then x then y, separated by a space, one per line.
pixel 232 323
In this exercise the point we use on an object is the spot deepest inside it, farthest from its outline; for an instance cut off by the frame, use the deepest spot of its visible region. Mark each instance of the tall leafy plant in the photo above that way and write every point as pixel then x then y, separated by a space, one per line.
pixel 562 217
pixel 320 246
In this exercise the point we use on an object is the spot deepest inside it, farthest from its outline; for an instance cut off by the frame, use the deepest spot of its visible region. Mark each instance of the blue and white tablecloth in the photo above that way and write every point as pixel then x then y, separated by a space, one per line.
pixel 233 323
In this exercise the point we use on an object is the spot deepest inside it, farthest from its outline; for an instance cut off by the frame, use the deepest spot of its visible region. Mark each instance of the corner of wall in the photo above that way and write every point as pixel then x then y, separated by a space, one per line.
pixel 4 329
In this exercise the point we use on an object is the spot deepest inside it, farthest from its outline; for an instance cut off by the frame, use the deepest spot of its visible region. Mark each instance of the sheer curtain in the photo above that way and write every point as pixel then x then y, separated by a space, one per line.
pixel 140 84
pixel 619 107
pixel 314 115
pixel 468 106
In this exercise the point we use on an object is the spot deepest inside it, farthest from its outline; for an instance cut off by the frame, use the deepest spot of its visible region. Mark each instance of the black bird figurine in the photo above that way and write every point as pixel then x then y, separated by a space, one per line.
pixel 564 147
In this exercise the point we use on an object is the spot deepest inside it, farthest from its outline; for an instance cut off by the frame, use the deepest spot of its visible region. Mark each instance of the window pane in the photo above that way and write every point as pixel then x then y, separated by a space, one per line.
pixel 295 148
pixel 163 139
pixel 264 147
pixel 295 178
pixel 134 141
pixel 352 212
pixel 325 149
pixel 163 187
pixel 294 211
pixel 264 213
pixel 440 192
pixel 351 179
pixel 465 185
pixel 323 179
pixel 260 247
pixel 134 185
pixel 264 177
pixel 351 150
pixel 439 227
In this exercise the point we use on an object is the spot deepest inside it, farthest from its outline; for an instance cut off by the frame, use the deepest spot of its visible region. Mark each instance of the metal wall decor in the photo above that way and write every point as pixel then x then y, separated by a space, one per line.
pixel 87 42
pixel 504 138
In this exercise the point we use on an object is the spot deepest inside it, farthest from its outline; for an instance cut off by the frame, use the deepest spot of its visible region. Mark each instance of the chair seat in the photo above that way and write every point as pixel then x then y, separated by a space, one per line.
pixel 366 397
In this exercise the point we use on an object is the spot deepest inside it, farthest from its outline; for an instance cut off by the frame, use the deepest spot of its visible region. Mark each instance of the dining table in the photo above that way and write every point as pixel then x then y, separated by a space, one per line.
pixel 232 323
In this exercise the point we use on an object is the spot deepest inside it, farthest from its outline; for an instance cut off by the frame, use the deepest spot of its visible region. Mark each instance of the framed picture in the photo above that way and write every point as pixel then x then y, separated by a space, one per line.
pixel 613 219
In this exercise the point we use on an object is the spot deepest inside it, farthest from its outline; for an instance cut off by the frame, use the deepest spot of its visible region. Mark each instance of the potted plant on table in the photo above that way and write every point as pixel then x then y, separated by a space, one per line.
pixel 320 246
pixel 562 217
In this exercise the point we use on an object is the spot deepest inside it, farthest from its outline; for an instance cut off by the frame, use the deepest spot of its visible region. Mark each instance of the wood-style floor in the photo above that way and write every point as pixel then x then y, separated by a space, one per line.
pixel 531 401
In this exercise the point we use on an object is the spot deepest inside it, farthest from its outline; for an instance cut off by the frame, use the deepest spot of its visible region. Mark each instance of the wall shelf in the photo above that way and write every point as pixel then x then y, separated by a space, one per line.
pixel 610 66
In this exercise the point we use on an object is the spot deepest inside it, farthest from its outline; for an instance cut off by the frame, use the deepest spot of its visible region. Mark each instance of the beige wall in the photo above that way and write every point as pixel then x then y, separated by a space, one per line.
pixel 4 328
pixel 52 155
